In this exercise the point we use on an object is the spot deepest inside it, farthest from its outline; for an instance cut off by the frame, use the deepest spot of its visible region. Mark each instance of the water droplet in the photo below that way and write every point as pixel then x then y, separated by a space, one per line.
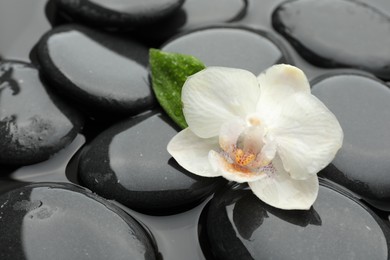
pixel 27 205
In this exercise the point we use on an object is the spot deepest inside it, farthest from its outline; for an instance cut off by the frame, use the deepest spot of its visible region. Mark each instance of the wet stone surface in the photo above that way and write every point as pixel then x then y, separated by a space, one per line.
pixel 105 75
pixel 42 126
pixel 129 163
pixel 362 106
pixel 119 13
pixel 63 221
pixel 218 46
pixel 237 225
pixel 334 33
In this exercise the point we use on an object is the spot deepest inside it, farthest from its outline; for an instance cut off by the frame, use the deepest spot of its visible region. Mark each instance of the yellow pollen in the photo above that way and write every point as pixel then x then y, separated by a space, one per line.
pixel 254 121
pixel 242 158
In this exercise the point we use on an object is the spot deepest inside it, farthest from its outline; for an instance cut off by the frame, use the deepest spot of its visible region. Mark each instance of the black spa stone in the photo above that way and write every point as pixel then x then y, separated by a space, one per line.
pixel 63 221
pixel 362 106
pixel 238 225
pixel 236 47
pixel 34 123
pixel 104 74
pixel 337 33
pixel 130 163
pixel 123 14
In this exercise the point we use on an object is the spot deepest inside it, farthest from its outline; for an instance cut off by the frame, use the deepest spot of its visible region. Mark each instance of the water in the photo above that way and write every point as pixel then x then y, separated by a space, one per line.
pixel 22 23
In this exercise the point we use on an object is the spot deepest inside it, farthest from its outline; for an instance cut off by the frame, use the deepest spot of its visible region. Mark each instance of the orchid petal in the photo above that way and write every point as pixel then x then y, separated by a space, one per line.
pixel 232 171
pixel 230 133
pixel 191 152
pixel 216 95
pixel 281 191
pixel 277 84
pixel 307 134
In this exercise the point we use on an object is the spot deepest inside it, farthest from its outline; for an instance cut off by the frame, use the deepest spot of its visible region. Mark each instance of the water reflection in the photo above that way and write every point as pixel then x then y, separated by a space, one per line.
pixel 7 80
pixel 259 211
pixel 249 213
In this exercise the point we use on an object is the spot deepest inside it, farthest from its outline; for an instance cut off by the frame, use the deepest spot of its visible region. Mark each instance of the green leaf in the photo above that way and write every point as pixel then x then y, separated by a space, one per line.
pixel 169 72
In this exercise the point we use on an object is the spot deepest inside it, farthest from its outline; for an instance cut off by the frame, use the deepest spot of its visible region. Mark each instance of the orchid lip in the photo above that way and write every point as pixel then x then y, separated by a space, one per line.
pixel 241 144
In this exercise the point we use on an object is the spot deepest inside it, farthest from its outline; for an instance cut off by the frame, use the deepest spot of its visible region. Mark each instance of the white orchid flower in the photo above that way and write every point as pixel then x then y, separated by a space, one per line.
pixel 269 131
